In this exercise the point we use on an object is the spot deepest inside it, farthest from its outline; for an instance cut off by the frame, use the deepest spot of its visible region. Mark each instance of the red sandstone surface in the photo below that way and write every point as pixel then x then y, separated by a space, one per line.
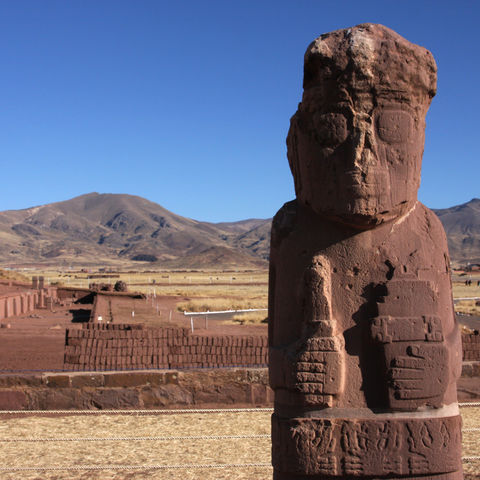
pixel 361 326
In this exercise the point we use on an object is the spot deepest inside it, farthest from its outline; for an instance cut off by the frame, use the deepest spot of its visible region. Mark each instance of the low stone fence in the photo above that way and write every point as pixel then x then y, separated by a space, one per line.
pixel 136 390
pixel 126 347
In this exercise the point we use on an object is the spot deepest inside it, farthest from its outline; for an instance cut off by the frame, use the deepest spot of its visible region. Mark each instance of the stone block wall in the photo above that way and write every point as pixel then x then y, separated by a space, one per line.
pixel 471 347
pixel 238 387
pixel 126 347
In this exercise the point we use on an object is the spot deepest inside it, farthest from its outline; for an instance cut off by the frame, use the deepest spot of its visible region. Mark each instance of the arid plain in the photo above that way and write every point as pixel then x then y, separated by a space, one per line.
pixel 70 440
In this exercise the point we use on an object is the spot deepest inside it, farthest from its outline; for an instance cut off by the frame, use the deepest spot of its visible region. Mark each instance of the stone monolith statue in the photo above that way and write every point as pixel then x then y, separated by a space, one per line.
pixel 364 347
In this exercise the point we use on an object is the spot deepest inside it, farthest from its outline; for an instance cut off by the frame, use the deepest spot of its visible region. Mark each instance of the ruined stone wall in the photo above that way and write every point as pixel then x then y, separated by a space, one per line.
pixel 239 387
pixel 73 294
pixel 18 303
pixel 19 298
pixel 126 347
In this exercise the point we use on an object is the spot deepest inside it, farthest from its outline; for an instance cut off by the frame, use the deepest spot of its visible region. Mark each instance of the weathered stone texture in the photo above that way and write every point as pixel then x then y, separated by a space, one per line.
pixel 360 304
pixel 153 389
pixel 364 447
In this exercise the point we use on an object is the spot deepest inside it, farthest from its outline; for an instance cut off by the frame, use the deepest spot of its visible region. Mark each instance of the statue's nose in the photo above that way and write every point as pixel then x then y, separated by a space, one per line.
pixel 358 147
pixel 362 147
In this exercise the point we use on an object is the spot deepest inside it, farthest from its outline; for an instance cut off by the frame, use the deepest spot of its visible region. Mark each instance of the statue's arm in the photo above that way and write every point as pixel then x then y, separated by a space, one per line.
pixel 416 327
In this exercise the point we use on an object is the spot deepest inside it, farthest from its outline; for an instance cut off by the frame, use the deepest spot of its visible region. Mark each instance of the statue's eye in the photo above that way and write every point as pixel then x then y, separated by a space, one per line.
pixel 330 128
pixel 394 126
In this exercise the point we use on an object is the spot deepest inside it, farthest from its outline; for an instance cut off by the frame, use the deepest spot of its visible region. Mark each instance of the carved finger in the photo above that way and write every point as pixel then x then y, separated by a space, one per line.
pixel 407 362
pixel 406 373
pixel 311 367
pixel 408 394
pixel 406 386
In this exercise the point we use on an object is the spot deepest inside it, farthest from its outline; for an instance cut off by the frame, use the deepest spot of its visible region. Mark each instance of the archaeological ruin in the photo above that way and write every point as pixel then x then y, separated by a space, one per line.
pixel 364 347
pixel 18 299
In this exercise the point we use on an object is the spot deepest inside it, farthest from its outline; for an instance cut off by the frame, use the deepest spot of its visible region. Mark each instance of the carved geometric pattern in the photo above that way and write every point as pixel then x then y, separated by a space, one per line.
pixel 309 446
pixel 387 329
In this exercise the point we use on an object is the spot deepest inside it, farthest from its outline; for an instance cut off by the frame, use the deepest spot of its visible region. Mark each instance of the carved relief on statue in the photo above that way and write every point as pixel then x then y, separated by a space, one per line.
pixel 313 364
pixel 412 344
pixel 366 447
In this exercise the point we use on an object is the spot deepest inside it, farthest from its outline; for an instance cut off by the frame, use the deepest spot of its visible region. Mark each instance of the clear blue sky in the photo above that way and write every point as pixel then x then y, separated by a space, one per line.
pixel 187 103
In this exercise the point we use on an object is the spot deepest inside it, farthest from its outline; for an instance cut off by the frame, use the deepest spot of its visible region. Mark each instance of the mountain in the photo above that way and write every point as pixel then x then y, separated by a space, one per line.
pixel 126 230
pixel 462 226
pixel 116 229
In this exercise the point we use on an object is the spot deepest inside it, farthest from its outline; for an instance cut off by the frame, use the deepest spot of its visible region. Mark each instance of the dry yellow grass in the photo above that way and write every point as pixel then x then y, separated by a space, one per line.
pixel 177 452
pixel 167 279
pixel 13 275
pixel 250 317
pixel 213 291
pixel 468 307
pixel 460 290
pixel 159 278
pixel 218 304
pixel 224 290
pixel 471 440
pixel 139 452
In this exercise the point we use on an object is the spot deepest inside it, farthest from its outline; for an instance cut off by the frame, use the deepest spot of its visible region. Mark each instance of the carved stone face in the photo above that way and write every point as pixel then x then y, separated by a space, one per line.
pixel 359 164
pixel 355 144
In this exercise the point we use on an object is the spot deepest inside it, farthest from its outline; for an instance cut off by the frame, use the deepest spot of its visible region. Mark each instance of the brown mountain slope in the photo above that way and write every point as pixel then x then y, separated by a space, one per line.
pixel 116 229
pixel 462 226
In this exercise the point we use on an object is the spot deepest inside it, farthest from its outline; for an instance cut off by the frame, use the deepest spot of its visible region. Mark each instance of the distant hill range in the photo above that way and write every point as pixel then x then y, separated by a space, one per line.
pixel 462 226
pixel 120 230
pixel 125 230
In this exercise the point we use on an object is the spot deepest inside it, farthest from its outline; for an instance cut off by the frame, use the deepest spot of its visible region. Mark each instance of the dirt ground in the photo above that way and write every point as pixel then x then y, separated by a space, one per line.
pixel 166 314
pixel 24 453
pixel 35 342
pixel 99 440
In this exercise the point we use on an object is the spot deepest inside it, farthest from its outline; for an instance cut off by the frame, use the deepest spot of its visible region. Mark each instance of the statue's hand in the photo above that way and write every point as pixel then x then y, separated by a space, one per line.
pixel 420 373
pixel 317 365
pixel 312 369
